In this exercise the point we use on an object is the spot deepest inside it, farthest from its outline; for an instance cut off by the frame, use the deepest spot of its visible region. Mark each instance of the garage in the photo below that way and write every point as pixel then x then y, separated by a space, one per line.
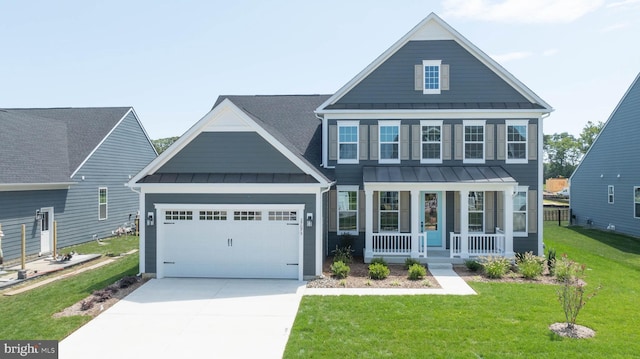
pixel 229 241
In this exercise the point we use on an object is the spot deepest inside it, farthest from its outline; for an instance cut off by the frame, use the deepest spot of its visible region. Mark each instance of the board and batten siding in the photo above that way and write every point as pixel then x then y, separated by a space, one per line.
pixel 308 200
pixel 612 160
pixel 469 79
pixel 229 152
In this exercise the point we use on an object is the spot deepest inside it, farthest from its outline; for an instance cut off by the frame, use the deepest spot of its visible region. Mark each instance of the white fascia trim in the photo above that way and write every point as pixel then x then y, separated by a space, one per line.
pixel 431 114
pixel 232 188
pixel 449 34
pixel 198 128
pixel 101 142
pixel 6 187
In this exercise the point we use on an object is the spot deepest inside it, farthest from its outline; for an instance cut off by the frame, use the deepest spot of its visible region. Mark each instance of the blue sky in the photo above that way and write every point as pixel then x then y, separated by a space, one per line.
pixel 171 60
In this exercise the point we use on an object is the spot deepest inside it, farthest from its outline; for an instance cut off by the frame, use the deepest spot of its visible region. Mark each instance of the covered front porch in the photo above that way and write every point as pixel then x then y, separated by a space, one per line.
pixel 438 213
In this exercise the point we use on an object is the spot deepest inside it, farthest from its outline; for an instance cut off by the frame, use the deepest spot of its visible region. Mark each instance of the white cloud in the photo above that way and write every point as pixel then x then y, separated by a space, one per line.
pixel 615 27
pixel 519 11
pixel 549 52
pixel 510 56
pixel 623 3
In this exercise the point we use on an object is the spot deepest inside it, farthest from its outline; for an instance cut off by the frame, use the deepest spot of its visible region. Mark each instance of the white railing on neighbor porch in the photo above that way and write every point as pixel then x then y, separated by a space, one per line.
pixel 390 244
pixel 479 244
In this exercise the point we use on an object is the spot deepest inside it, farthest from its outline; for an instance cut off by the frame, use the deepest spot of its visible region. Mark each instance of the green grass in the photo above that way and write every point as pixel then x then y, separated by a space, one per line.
pixel 29 315
pixel 503 320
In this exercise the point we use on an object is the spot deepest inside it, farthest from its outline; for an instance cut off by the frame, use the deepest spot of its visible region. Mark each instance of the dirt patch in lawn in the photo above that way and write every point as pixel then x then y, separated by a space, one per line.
pixel 576 331
pixel 359 278
pixel 99 307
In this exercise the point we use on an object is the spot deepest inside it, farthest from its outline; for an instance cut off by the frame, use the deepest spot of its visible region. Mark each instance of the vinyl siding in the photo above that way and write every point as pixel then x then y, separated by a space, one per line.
pixel 469 80
pixel 309 202
pixel 615 152
pixel 229 152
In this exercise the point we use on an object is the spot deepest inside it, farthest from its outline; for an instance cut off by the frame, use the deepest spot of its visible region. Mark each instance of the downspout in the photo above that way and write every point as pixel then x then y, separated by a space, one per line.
pixel 540 222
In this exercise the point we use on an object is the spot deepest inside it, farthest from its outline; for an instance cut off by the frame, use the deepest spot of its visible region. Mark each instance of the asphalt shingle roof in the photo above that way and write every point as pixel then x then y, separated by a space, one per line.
pixel 47 145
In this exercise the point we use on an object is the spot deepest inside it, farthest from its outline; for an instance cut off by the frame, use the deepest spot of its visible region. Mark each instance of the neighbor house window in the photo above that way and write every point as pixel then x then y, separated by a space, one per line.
pixel 431 140
pixel 102 203
pixel 610 194
pixel 476 211
pixel 389 141
pixel 636 202
pixel 389 211
pixel 347 142
pixel 474 141
pixel 431 76
pixel 516 141
pixel 348 210
pixel 520 211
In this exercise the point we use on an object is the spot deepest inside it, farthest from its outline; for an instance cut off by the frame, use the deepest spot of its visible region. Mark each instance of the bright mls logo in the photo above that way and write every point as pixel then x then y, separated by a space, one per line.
pixel 32 349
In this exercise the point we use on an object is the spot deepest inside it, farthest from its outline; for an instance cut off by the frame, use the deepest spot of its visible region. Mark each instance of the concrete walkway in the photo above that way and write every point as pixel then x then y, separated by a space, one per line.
pixel 450 283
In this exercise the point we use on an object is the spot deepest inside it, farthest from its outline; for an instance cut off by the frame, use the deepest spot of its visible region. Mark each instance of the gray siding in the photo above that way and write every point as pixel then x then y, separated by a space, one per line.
pixel 229 152
pixel 470 80
pixel 614 153
pixel 124 153
pixel 308 200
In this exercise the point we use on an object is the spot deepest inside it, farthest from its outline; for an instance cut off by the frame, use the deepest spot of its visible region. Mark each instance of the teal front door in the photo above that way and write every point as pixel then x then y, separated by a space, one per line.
pixel 432 217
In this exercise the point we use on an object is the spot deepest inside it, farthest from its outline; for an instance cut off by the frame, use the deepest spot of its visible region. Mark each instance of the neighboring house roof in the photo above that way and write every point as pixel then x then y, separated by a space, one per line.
pixel 434 28
pixel 289 119
pixel 48 145
pixel 633 89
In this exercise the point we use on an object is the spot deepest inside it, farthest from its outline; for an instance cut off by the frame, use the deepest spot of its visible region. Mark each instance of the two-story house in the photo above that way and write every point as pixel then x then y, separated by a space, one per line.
pixel 433 150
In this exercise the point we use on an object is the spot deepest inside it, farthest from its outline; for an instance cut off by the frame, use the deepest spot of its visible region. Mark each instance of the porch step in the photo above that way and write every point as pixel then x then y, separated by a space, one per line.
pixel 440 266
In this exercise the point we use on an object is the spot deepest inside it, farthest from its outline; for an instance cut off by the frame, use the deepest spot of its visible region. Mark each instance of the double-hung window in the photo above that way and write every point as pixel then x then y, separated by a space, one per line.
pixel 520 219
pixel 389 141
pixel 636 202
pixel 431 141
pixel 476 211
pixel 347 141
pixel 348 209
pixel 474 141
pixel 516 141
pixel 610 194
pixel 432 76
pixel 389 211
pixel 102 203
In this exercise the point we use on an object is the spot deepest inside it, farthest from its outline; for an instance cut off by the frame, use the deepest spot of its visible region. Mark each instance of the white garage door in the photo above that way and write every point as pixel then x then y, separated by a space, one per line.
pixel 230 242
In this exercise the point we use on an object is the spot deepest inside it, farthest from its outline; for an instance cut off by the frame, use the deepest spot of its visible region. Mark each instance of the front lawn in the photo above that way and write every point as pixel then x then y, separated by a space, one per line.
pixel 29 315
pixel 504 320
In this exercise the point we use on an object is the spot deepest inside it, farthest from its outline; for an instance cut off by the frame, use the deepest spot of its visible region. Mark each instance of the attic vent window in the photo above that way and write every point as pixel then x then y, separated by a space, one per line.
pixel 431 77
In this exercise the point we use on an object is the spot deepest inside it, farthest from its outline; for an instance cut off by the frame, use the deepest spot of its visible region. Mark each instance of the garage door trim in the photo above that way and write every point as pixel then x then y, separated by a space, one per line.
pixel 162 207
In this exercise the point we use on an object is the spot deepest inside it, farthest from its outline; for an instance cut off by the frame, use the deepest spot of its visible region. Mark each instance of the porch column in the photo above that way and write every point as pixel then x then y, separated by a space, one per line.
pixel 507 198
pixel 464 223
pixel 368 239
pixel 415 220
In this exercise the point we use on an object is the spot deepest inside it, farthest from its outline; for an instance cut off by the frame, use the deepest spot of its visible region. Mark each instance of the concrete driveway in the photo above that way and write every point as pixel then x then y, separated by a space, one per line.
pixel 192 318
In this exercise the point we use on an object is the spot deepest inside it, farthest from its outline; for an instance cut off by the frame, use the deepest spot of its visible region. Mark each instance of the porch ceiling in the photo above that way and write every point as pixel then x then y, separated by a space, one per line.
pixel 437 174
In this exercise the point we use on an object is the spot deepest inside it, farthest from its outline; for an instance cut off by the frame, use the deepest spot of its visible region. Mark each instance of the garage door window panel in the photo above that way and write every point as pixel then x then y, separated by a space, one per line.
pixel 179 215
pixel 283 216
pixel 213 215
pixel 247 215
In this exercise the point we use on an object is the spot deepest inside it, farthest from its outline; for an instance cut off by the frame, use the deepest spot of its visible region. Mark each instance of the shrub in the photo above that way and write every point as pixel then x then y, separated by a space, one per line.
pixel 551 259
pixel 571 294
pixel 379 260
pixel 87 304
pixel 496 267
pixel 473 265
pixel 102 295
pixel 565 268
pixel 340 269
pixel 409 262
pixel 378 271
pixel 128 281
pixel 346 240
pixel 343 254
pixel 530 266
pixel 417 271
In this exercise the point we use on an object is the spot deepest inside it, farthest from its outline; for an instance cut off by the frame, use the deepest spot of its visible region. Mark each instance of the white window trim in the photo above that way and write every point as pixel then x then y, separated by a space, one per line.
pixel 355 189
pixel 635 215
pixel 380 143
pixel 469 211
pixel 611 194
pixel 426 63
pixel 524 189
pixel 106 204
pixel 355 124
pixel 524 123
pixel 380 213
pixel 466 123
pixel 430 123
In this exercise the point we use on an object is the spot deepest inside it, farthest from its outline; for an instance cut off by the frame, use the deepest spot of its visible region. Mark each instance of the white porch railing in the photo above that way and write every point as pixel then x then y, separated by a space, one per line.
pixel 479 244
pixel 397 244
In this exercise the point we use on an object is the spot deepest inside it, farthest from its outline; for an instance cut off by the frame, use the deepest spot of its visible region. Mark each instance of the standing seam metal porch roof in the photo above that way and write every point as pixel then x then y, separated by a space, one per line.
pixel 445 174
